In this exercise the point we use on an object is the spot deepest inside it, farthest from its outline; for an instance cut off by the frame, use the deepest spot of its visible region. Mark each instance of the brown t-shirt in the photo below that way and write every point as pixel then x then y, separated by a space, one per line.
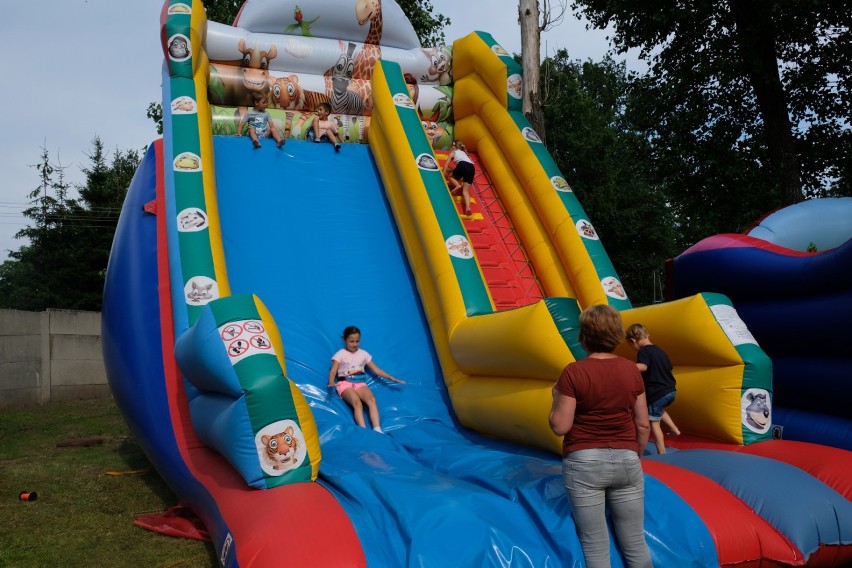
pixel 606 392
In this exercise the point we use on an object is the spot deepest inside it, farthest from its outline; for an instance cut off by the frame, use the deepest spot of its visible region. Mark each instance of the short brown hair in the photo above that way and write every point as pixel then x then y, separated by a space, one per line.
pixel 601 329
pixel 324 105
pixel 637 331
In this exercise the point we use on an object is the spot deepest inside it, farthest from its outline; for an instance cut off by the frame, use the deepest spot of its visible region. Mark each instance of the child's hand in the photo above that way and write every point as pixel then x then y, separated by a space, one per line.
pixel 396 380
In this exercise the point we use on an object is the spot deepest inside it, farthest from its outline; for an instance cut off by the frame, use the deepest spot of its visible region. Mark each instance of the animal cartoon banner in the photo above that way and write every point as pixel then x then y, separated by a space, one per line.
pixel 298 57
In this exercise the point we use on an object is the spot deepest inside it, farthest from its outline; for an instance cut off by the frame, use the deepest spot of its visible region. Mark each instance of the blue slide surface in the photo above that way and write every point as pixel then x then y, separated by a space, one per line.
pixel 311 233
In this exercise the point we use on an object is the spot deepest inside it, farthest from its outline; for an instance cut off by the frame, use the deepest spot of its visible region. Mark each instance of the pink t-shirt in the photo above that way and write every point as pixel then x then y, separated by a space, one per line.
pixel 324 126
pixel 351 363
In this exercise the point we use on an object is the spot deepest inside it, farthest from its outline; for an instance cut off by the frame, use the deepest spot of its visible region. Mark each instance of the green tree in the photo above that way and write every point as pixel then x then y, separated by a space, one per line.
pixel 428 25
pixel 607 160
pixel 222 11
pixel 64 263
pixel 747 102
pixel 155 113
pixel 94 216
pixel 28 280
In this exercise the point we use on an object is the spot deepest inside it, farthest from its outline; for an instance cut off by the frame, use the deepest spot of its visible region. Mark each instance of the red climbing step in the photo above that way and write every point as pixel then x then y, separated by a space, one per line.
pixel 505 266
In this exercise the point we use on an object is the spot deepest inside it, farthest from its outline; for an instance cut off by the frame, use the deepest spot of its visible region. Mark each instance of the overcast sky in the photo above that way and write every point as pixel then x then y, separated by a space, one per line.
pixel 76 69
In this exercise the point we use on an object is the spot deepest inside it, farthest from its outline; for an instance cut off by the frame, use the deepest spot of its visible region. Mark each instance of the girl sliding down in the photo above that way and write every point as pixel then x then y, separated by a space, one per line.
pixel 347 367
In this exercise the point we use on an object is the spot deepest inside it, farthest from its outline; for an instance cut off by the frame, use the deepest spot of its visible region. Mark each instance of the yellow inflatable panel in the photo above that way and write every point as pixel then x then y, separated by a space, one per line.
pixel 500 367
pixel 490 344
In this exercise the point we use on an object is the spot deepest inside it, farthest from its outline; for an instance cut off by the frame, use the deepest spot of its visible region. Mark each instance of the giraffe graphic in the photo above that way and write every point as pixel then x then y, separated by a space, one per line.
pixel 368 11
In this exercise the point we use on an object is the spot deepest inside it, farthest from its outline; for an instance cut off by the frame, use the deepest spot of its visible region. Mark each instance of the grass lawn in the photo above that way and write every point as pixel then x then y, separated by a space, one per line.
pixel 83 515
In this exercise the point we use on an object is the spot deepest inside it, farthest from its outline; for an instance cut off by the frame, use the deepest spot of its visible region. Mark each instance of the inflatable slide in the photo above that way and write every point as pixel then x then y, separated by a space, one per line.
pixel 790 281
pixel 235 269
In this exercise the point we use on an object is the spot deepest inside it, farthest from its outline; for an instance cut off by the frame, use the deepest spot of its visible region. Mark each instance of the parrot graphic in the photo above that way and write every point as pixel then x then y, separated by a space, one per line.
pixel 301 24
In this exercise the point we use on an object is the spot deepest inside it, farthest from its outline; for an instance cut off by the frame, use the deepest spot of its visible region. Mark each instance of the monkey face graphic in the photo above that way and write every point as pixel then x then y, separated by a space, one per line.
pixel 179 47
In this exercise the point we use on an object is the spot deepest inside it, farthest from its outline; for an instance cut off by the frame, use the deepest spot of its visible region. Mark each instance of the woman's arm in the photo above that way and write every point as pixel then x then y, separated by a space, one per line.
pixel 332 374
pixel 375 368
pixel 642 367
pixel 562 413
pixel 640 419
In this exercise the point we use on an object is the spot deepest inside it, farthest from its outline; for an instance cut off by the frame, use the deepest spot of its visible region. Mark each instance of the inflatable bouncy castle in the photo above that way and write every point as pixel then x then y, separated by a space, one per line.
pixel 790 281
pixel 235 269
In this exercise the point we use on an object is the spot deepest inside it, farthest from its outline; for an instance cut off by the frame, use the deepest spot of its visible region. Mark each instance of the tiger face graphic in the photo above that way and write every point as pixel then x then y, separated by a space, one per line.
pixel 281 449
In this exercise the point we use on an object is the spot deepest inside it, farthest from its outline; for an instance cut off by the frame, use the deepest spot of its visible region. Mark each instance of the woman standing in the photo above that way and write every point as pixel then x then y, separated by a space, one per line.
pixel 599 406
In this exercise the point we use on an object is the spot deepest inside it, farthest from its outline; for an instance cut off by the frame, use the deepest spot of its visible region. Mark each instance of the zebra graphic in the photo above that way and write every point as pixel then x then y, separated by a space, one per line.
pixel 344 101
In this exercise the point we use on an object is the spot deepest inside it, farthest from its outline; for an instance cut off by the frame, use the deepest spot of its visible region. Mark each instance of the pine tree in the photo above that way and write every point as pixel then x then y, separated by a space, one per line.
pixel 64 261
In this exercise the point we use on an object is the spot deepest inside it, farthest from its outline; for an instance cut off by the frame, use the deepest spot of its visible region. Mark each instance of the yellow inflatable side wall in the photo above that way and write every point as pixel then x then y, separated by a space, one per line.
pixel 709 370
pixel 500 367
pixel 483 121
pixel 490 369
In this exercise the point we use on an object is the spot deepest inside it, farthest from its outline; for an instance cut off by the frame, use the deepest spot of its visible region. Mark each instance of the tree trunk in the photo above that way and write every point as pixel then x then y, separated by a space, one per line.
pixel 756 39
pixel 528 17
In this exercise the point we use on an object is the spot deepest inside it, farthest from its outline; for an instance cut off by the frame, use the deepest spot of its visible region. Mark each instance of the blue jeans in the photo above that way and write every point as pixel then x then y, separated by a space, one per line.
pixel 656 408
pixel 601 477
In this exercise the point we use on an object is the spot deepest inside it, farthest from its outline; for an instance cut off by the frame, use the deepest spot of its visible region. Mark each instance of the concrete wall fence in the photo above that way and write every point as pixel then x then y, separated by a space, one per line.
pixel 54 355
